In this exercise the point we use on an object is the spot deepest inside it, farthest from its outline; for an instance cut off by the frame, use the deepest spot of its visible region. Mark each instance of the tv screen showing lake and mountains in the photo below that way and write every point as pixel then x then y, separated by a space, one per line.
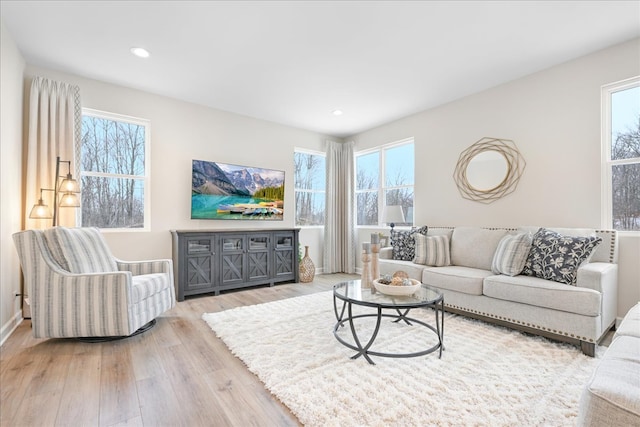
pixel 225 191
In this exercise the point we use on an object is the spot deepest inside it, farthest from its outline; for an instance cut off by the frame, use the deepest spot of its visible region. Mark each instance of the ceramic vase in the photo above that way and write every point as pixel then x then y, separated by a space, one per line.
pixel 307 269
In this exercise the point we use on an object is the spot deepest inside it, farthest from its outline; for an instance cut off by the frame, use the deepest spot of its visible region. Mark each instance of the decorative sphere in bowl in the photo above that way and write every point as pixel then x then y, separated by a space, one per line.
pixel 398 289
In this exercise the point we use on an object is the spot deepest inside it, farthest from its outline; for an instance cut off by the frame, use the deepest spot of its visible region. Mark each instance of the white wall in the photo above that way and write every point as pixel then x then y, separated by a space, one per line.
pixel 554 118
pixel 11 104
pixel 181 132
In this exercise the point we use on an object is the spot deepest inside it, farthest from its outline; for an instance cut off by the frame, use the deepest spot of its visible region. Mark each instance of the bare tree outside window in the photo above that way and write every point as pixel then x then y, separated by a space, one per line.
pixel 309 188
pixel 385 177
pixel 624 156
pixel 625 180
pixel 112 163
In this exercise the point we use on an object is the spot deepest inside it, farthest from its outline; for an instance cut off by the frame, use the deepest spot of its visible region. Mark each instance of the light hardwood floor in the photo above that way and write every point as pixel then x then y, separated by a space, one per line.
pixel 176 374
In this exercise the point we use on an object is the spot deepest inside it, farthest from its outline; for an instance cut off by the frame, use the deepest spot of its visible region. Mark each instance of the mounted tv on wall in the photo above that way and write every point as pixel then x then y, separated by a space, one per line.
pixel 224 191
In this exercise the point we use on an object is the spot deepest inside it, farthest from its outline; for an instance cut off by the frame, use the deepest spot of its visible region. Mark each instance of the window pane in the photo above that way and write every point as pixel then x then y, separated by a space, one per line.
pixel 112 202
pixel 404 198
pixel 367 208
pixel 367 171
pixel 625 124
pixel 399 165
pixel 309 186
pixel 110 146
pixel 626 197
pixel 310 171
pixel 309 208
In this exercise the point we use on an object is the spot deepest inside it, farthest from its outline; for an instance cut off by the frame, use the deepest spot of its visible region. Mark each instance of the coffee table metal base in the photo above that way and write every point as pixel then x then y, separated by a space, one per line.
pixel 364 350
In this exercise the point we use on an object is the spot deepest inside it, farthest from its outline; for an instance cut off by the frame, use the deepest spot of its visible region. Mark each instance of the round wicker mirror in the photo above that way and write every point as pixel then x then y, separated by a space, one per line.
pixel 489 169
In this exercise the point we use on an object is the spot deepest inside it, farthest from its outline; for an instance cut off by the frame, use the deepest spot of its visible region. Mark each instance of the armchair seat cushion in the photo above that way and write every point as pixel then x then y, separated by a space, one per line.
pixel 147 285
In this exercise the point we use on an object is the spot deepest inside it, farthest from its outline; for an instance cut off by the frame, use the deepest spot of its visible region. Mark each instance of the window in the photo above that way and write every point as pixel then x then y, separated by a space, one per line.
pixel 309 187
pixel 621 154
pixel 385 177
pixel 114 171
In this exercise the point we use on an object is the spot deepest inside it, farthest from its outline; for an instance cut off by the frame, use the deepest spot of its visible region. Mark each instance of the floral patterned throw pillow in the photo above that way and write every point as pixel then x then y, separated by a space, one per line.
pixel 556 257
pixel 403 242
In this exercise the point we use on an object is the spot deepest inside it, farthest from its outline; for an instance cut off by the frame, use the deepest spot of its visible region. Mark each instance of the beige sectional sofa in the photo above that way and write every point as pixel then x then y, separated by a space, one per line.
pixel 612 395
pixel 581 312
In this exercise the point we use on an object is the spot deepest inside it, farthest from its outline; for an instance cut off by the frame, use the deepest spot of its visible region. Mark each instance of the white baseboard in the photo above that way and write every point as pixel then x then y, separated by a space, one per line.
pixel 10 326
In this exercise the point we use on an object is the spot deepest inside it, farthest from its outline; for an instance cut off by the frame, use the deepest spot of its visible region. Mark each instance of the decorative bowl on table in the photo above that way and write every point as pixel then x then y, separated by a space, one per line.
pixel 398 289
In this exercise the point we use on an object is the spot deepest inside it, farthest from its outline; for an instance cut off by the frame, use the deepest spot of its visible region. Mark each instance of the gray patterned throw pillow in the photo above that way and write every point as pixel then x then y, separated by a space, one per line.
pixel 403 243
pixel 556 257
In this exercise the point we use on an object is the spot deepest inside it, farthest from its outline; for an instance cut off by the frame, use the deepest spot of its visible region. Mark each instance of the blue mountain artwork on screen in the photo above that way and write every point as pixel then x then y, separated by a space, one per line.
pixel 225 191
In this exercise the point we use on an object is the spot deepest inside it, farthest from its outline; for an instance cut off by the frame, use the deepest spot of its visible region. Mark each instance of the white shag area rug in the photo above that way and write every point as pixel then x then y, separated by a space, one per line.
pixel 487 376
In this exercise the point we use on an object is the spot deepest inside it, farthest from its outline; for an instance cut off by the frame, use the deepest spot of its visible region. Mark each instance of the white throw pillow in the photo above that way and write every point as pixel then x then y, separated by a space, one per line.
pixel 511 254
pixel 432 250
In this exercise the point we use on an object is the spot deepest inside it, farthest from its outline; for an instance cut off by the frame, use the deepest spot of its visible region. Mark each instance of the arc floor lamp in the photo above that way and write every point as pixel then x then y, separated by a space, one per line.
pixel 69 188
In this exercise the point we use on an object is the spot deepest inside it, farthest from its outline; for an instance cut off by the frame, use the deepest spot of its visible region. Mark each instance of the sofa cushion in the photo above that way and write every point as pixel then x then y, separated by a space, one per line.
pixel 511 254
pixel 543 293
pixel 474 247
pixel 612 395
pixel 80 250
pixel 630 324
pixel 455 278
pixel 555 256
pixel 432 250
pixel 403 243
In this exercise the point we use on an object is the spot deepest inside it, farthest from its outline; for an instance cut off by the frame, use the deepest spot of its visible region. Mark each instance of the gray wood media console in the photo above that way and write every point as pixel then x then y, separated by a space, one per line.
pixel 210 261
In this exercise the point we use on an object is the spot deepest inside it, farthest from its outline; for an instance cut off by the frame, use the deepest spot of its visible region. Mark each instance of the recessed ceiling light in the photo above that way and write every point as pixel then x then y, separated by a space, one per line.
pixel 140 52
pixel 337 112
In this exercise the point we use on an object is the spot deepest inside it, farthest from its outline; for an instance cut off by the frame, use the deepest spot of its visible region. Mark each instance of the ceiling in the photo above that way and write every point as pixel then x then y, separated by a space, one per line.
pixel 295 62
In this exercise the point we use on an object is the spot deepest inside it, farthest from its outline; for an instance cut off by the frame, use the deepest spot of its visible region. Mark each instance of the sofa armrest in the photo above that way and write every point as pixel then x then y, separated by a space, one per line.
pixel 386 252
pixel 602 277
pixel 598 276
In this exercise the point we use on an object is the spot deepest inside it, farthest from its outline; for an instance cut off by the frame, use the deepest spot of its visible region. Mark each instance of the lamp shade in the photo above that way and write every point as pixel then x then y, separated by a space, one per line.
pixel 40 211
pixel 69 185
pixel 392 214
pixel 69 200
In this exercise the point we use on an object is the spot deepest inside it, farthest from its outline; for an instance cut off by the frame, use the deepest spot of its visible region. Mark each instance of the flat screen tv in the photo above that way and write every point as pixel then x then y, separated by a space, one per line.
pixel 224 191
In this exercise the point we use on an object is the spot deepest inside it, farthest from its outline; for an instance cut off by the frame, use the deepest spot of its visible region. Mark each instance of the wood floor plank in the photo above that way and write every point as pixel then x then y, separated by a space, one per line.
pixel 176 374
pixel 38 410
pixel 196 401
pixel 145 359
pixel 80 400
pixel 159 404
pixel 118 387
pixel 259 409
pixel 16 379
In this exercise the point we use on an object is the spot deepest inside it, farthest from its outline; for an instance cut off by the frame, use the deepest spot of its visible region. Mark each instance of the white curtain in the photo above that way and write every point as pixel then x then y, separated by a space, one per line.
pixel 339 229
pixel 55 116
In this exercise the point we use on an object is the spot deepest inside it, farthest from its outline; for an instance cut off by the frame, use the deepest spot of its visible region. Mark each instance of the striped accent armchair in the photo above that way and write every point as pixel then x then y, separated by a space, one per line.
pixel 78 289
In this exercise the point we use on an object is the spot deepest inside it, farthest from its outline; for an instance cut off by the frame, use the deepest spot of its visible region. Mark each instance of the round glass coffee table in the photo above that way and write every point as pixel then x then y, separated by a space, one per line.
pixel 351 293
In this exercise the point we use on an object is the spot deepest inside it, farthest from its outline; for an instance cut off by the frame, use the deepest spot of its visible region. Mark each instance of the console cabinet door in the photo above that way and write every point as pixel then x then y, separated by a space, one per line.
pixel 199 267
pixel 233 259
pixel 285 255
pixel 258 257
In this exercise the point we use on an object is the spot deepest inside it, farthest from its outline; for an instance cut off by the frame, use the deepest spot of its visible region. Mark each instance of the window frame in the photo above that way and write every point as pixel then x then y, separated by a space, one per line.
pixel 146 178
pixel 382 182
pixel 607 164
pixel 295 190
